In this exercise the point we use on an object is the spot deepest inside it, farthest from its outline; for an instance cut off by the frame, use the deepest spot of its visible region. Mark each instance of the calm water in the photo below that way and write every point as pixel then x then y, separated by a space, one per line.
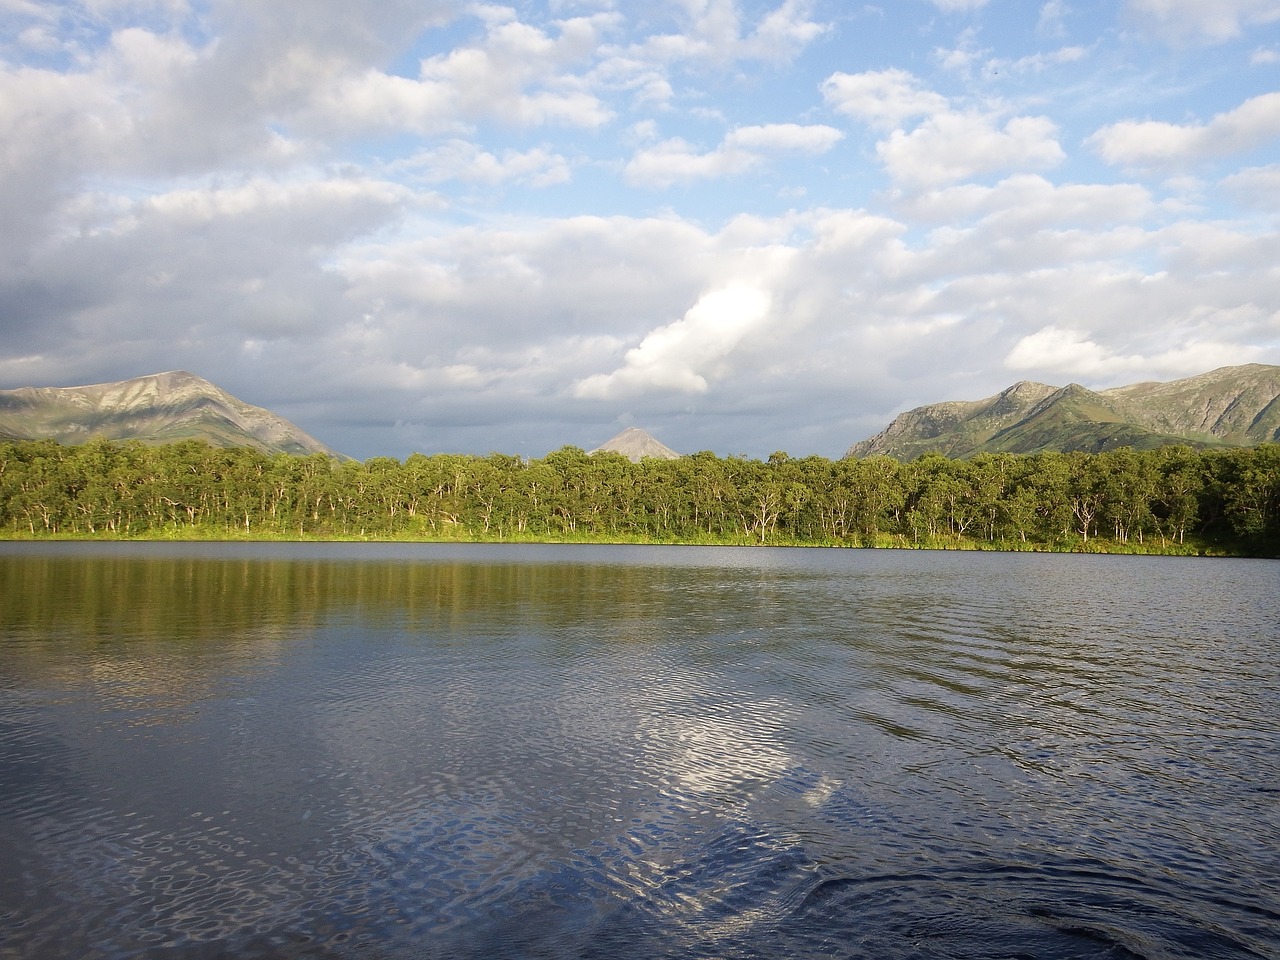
pixel 424 751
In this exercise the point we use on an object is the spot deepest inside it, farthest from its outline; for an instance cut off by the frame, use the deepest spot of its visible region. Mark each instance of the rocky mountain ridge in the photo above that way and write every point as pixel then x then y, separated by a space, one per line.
pixel 159 408
pixel 1230 406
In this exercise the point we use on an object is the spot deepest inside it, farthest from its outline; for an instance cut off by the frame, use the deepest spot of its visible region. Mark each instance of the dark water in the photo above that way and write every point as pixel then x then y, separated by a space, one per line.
pixel 394 751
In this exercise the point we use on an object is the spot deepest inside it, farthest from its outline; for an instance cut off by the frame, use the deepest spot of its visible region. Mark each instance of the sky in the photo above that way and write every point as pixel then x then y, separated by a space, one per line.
pixel 433 226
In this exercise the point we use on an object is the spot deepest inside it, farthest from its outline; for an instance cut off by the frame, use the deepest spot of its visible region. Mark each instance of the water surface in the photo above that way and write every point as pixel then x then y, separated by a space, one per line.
pixel 480 751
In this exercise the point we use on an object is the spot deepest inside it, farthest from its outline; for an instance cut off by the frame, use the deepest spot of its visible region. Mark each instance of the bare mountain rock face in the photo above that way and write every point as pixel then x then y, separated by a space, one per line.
pixel 1238 405
pixel 636 444
pixel 161 408
pixel 1231 406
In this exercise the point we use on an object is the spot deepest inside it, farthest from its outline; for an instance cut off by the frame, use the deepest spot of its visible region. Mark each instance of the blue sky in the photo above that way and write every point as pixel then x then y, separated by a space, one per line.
pixel 420 225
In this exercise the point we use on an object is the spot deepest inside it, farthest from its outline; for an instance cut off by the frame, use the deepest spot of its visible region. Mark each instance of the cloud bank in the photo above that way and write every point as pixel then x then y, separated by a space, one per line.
pixel 743 225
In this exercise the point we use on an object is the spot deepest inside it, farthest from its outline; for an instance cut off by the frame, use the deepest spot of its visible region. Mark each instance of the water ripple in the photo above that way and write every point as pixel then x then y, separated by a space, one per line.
pixel 753 754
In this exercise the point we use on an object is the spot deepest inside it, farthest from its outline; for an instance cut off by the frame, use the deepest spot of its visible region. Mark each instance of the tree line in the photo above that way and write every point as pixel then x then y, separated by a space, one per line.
pixel 1172 499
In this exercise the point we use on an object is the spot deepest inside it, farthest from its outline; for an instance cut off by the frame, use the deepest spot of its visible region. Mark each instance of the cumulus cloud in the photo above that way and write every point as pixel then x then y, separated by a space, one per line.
pixel 944 144
pixel 1059 352
pixel 1030 200
pixel 334 202
pixel 783 32
pixel 522 284
pixel 714 31
pixel 518 74
pixel 810 138
pixel 1256 186
pixel 1156 143
pixel 189 277
pixel 882 98
pixel 676 161
pixel 681 356
pixel 952 146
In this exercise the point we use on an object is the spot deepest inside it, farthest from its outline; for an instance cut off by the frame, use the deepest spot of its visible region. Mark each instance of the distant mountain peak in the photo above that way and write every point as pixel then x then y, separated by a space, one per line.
pixel 1237 406
pixel 636 444
pixel 156 408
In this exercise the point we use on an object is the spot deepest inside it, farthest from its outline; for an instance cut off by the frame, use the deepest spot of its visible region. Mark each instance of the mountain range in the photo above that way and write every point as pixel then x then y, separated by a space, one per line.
pixel 160 408
pixel 1230 406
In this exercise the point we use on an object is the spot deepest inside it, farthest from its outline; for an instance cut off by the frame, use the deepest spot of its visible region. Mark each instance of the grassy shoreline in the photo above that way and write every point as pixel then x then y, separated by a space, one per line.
pixel 1096 545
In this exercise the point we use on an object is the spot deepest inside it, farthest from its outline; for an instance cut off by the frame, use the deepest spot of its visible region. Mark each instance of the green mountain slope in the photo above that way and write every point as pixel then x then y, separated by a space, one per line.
pixel 1231 406
pixel 161 408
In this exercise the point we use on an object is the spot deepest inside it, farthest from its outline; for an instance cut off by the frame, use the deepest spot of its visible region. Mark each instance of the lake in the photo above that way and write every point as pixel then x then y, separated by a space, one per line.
pixel 477 751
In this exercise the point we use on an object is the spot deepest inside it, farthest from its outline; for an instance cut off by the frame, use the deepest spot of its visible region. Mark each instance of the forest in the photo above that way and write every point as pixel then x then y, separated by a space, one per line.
pixel 1174 499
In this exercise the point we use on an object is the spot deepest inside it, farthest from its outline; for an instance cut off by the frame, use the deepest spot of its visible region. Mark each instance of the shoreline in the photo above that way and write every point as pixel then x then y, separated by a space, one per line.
pixel 1097 546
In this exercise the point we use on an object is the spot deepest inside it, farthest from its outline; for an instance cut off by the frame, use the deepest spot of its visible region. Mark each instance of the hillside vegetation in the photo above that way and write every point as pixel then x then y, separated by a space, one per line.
pixel 1172 499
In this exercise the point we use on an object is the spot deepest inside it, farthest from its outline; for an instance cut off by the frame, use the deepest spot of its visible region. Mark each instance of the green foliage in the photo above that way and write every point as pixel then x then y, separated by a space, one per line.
pixel 1168 500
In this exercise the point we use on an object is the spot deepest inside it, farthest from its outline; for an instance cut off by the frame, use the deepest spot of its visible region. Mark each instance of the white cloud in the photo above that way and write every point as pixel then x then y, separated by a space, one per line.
pixel 1039 62
pixel 27 8
pixel 518 75
pixel 558 276
pixel 803 138
pixel 1052 16
pixel 495 324
pixel 332 198
pixel 961 58
pixel 1203 21
pixel 1156 143
pixel 782 33
pixel 956 6
pixel 676 161
pixel 1062 351
pixel 883 98
pixel 953 146
pixel 1057 352
pixel 643 131
pixel 947 144
pixel 856 237
pixel 681 356
pixel 469 163
pixel 1256 186
pixel 374 100
pixel 1030 200
pixel 171 9
pixel 714 31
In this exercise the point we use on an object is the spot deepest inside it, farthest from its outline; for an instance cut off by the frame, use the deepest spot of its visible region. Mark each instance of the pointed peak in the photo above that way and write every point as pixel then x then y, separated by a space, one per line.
pixel 635 444
pixel 1026 387
pixel 177 376
pixel 632 434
